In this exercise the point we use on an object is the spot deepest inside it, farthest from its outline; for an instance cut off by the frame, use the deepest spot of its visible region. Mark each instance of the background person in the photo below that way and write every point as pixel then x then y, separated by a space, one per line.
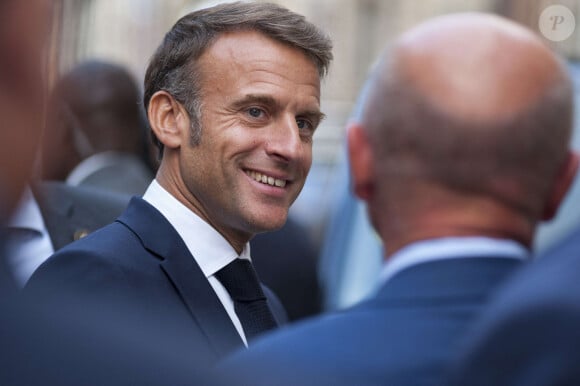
pixel 96 134
pixel 460 150
pixel 51 215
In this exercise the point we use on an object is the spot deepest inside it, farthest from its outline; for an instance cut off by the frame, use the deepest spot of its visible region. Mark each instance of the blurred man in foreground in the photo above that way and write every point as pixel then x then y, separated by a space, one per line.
pixel 460 150
pixel 58 345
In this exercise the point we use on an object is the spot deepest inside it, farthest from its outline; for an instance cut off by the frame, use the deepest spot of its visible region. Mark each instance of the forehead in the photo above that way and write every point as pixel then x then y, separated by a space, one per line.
pixel 240 58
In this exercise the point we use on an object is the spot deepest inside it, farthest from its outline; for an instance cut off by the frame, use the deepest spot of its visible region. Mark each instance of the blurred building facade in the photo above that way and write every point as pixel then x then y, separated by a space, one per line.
pixel 128 31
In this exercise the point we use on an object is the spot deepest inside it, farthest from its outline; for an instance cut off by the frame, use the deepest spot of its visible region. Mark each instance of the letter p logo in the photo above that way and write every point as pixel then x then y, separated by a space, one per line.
pixel 557 23
pixel 556 20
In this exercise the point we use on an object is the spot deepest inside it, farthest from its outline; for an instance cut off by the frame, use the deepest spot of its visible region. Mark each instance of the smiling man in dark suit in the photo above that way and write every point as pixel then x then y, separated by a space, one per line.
pixel 233 100
pixel 460 150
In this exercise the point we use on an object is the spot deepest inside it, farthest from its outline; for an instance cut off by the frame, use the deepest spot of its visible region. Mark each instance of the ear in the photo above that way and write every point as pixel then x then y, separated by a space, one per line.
pixel 168 119
pixel 361 161
pixel 561 185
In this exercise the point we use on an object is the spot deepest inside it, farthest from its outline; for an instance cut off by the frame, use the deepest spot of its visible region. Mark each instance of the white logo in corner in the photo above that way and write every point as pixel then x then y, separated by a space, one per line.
pixel 557 23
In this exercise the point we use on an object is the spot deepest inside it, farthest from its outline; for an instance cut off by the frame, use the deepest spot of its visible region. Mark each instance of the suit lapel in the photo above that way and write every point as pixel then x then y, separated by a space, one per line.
pixel 202 303
pixel 160 238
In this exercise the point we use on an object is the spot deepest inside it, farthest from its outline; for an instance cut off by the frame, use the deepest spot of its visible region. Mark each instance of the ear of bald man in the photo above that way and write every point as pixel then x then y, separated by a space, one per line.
pixel 361 161
pixel 561 185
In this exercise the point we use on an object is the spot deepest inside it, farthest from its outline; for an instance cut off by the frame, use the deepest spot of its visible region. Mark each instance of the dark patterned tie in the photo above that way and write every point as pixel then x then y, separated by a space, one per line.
pixel 250 304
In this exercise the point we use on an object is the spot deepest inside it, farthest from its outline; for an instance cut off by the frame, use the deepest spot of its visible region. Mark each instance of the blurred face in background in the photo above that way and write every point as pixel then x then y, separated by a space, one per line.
pixel 24 27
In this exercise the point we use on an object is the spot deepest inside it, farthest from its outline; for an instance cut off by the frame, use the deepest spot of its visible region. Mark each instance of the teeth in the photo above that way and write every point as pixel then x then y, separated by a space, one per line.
pixel 266 179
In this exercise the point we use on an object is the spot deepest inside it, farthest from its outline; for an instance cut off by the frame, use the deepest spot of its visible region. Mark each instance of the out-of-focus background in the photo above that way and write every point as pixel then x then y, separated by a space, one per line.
pixel 127 32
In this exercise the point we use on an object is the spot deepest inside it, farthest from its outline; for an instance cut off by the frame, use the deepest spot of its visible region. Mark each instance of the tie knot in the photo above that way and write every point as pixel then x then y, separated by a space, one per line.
pixel 241 281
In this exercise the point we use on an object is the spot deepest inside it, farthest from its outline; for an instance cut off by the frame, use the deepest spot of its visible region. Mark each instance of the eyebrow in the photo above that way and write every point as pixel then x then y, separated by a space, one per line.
pixel 315 115
pixel 255 98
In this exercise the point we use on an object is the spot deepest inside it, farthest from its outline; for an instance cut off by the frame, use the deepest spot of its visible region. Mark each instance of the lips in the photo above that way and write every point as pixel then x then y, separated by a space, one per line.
pixel 266 179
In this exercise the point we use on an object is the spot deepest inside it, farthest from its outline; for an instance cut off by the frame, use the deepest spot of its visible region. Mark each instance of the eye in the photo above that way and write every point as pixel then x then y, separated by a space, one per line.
pixel 255 112
pixel 304 125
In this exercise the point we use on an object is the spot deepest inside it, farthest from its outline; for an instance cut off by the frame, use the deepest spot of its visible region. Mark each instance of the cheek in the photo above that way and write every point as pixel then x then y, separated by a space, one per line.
pixel 223 134
pixel 240 142
pixel 307 158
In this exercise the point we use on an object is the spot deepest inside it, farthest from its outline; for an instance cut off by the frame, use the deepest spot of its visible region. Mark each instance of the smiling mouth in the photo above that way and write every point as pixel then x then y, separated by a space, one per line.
pixel 265 179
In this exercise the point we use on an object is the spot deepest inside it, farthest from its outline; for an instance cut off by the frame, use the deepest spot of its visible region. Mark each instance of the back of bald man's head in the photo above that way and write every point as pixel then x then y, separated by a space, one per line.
pixel 473 102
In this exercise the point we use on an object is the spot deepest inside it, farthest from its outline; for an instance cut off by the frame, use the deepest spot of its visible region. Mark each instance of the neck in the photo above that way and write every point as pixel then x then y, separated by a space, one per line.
pixel 471 217
pixel 174 184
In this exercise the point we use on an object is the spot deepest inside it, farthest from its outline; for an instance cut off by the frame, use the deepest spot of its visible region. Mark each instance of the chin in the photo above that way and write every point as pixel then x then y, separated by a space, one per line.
pixel 273 224
pixel 273 227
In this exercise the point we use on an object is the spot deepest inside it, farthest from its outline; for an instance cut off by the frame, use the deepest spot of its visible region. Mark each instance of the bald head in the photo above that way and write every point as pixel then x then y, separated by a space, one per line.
pixel 472 102
pixel 477 67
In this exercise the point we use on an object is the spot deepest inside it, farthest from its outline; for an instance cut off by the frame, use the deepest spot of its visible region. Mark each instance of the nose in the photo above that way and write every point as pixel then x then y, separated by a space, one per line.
pixel 284 141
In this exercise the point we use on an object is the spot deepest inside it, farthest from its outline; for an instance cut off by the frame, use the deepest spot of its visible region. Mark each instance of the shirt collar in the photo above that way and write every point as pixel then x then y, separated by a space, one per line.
pixel 99 161
pixel 27 215
pixel 209 248
pixel 450 247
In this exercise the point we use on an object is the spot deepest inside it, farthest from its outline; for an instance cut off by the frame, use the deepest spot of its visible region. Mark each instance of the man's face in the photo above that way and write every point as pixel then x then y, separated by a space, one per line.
pixel 261 105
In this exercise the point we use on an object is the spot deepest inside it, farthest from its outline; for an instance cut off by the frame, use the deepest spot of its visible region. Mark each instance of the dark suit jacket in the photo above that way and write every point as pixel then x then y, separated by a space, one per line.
pixel 530 335
pixel 285 260
pixel 68 344
pixel 141 260
pixel 70 213
pixel 404 335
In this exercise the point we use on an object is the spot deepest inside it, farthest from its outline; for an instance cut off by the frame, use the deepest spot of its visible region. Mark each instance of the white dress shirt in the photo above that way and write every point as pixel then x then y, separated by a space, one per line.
pixel 28 243
pixel 449 248
pixel 208 247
